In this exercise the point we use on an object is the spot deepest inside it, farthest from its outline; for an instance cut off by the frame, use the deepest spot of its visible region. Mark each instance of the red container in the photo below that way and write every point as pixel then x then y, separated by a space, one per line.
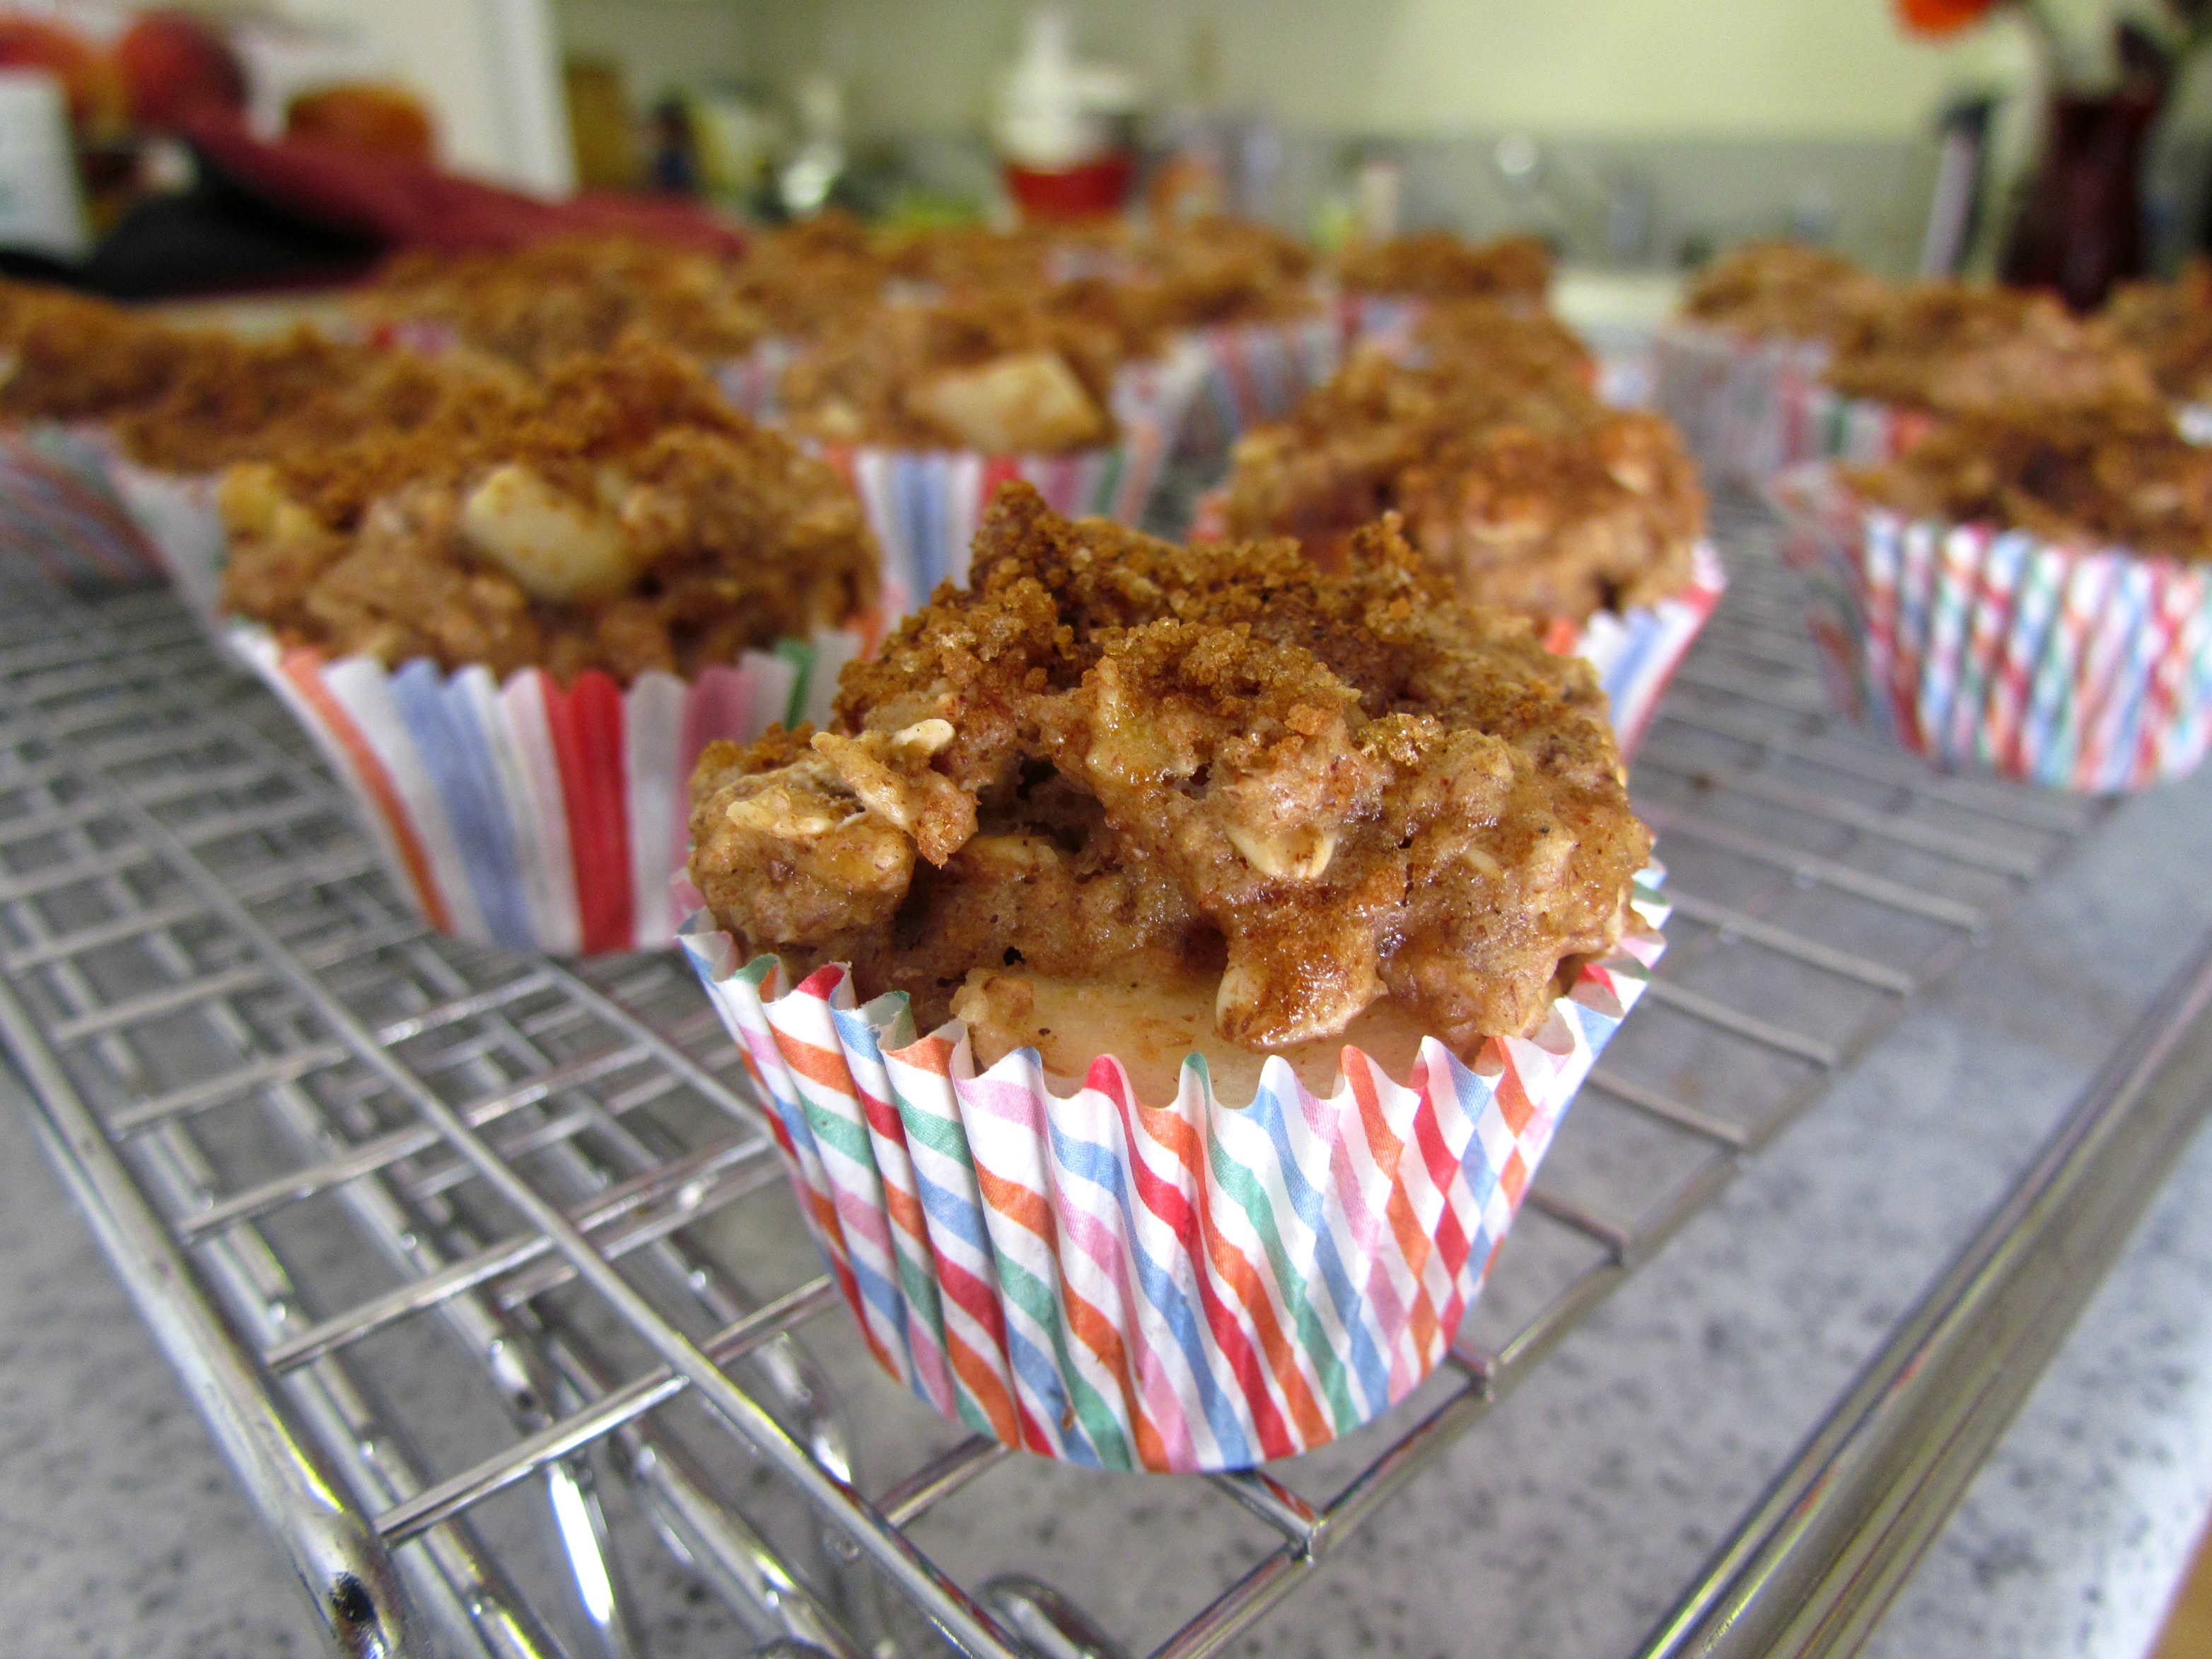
pixel 1077 192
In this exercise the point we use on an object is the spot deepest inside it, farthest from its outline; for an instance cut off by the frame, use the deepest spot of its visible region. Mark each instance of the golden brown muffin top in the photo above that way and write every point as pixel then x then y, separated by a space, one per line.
pixel 1965 347
pixel 1512 479
pixel 1784 290
pixel 1111 755
pixel 67 357
pixel 535 305
pixel 1435 265
pixel 2171 323
pixel 997 371
pixel 2125 479
pixel 618 516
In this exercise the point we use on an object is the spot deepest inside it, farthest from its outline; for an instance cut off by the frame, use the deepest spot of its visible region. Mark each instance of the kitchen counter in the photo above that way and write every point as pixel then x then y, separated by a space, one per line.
pixel 1566 1526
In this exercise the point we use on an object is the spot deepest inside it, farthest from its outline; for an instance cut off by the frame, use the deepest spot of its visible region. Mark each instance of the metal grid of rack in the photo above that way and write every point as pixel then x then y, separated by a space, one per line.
pixel 484 1272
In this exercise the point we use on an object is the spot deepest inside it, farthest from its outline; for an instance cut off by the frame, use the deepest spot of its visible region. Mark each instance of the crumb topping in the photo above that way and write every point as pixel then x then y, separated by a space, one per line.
pixel 618 516
pixel 1113 755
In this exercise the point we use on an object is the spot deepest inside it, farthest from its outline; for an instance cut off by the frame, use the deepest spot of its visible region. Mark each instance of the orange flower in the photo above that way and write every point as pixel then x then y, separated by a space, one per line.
pixel 1937 18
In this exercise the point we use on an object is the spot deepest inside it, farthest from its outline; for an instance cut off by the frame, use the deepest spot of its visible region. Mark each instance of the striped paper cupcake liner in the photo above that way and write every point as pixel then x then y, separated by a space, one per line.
pixel 1255 372
pixel 2085 669
pixel 528 814
pixel 60 510
pixel 753 382
pixel 1388 320
pixel 1753 407
pixel 1635 651
pixel 925 505
pixel 176 518
pixel 1189 1287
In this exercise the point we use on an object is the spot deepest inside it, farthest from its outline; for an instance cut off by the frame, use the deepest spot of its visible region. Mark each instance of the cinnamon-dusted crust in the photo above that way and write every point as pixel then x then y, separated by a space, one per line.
pixel 535 305
pixel 1116 761
pixel 803 278
pixel 1966 349
pixel 618 516
pixel 1215 270
pixel 1435 265
pixel 2125 479
pixel 1151 277
pixel 1784 290
pixel 1514 481
pixel 198 399
pixel 65 357
pixel 1001 370
pixel 2171 323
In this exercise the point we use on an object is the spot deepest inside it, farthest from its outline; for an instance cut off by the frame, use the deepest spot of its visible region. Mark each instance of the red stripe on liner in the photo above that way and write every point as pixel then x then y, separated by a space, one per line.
pixel 586 723
pixel 304 669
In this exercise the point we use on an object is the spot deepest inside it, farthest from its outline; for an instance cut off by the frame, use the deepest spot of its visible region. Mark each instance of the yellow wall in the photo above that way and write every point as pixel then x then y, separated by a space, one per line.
pixel 1814 69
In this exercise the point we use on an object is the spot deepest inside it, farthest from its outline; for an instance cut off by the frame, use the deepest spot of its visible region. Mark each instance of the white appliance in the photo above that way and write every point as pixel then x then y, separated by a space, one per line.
pixel 41 202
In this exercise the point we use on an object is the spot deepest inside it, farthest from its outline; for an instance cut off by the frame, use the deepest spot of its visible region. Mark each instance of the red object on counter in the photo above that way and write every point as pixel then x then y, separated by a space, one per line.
pixel 1078 192
pixel 173 63
pixel 1938 18
pixel 402 202
pixel 98 102
pixel 378 120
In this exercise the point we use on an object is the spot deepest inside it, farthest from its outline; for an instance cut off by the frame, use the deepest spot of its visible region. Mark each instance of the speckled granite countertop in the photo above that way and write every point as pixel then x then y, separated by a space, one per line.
pixel 1566 1528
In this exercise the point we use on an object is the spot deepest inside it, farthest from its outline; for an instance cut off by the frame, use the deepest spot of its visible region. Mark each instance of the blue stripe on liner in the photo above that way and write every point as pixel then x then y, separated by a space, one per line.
pixel 1367 1363
pixel 1085 1160
pixel 460 763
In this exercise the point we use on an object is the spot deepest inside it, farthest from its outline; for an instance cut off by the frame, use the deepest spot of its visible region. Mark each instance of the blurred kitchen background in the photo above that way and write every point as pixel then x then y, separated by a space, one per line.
pixel 1637 136
pixel 1636 133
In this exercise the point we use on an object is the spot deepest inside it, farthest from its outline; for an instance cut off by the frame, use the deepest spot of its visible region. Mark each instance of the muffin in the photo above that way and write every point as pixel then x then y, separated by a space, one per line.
pixel 1953 347
pixel 1515 483
pixel 928 403
pixel 1784 291
pixel 2171 323
pixel 1741 371
pixel 1123 803
pixel 1000 372
pixel 2023 592
pixel 535 305
pixel 512 627
pixel 1435 265
pixel 141 413
pixel 1112 756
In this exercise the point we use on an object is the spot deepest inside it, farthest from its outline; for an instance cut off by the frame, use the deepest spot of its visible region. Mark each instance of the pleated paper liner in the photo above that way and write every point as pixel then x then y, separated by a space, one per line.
pixel 925 505
pixel 176 517
pixel 1255 372
pixel 1187 1287
pixel 1635 651
pixel 528 814
pixel 1752 408
pixel 2082 668
pixel 60 510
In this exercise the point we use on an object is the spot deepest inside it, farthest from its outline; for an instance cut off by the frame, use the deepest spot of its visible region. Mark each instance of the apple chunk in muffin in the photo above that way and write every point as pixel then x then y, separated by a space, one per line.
pixel 1117 782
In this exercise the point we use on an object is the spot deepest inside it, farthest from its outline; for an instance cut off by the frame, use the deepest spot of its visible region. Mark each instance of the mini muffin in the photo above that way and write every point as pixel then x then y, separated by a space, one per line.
pixel 1125 797
pixel 2024 591
pixel 1965 349
pixel 2107 478
pixel 1000 373
pixel 1517 485
pixel 536 305
pixel 1435 265
pixel 2171 323
pixel 1784 291
pixel 802 278
pixel 619 516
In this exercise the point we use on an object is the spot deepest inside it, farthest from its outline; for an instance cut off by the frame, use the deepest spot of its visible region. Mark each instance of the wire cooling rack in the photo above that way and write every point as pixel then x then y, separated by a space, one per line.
pixel 482 1271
